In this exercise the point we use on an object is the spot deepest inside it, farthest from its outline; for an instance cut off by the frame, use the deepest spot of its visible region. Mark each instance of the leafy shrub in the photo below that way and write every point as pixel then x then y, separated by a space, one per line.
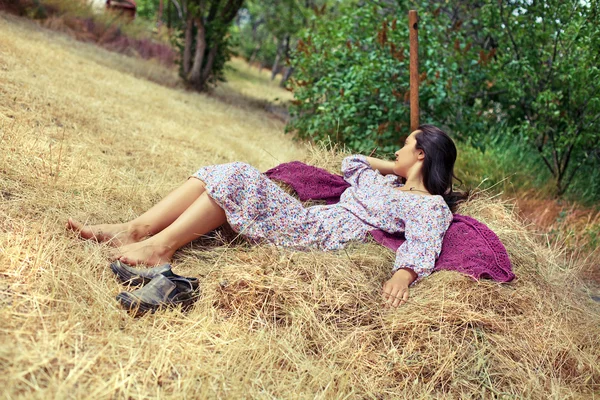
pixel 527 70
pixel 350 84
pixel 352 78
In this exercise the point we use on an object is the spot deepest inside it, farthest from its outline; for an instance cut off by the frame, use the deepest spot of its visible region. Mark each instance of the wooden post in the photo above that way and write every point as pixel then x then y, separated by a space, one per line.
pixel 414 69
pixel 159 14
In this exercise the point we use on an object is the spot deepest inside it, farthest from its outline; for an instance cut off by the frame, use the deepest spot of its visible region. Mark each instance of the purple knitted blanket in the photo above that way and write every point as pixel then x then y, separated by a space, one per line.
pixel 469 246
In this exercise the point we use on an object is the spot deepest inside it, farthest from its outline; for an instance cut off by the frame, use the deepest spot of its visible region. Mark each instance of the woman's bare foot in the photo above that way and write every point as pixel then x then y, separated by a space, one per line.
pixel 146 252
pixel 114 234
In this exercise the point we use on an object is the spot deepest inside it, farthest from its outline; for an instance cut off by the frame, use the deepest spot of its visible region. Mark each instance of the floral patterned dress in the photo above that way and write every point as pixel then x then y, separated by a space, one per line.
pixel 259 209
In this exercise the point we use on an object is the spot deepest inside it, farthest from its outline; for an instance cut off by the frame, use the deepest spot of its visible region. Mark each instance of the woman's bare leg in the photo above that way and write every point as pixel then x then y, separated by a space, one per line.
pixel 151 222
pixel 201 217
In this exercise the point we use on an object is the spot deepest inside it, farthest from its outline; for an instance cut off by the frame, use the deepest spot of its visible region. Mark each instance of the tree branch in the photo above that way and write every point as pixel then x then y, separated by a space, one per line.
pixel 512 39
pixel 187 50
pixel 178 8
pixel 554 153
pixel 562 189
pixel 210 61
pixel 230 10
pixel 547 164
pixel 566 160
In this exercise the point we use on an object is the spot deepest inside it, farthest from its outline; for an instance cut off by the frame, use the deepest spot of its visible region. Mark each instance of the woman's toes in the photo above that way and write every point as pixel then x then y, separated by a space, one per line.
pixel 128 261
pixel 71 224
pixel 83 231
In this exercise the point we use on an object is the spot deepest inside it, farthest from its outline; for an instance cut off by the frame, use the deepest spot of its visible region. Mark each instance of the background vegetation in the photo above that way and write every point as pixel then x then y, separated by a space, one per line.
pixel 521 75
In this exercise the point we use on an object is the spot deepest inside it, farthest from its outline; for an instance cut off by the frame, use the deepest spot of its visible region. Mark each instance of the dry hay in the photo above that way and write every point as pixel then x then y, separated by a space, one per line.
pixel 270 322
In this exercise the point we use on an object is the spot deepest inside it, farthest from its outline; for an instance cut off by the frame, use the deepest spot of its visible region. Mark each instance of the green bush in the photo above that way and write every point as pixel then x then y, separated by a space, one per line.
pixel 518 69
pixel 352 78
pixel 348 85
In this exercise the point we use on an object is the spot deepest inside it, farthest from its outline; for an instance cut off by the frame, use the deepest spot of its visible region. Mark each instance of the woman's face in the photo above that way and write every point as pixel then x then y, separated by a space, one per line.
pixel 407 156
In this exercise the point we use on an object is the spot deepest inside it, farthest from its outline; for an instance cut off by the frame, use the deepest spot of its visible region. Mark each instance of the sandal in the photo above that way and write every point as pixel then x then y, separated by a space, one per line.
pixel 160 292
pixel 139 277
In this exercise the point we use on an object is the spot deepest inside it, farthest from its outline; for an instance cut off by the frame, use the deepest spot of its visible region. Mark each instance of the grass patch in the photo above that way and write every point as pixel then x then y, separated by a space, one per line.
pixel 512 167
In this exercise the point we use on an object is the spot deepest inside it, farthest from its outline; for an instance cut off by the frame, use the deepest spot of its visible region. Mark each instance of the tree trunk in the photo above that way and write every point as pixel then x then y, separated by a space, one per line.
pixel 254 53
pixel 178 7
pixel 286 76
pixel 187 50
pixel 211 23
pixel 209 62
pixel 194 76
pixel 169 15
pixel 159 14
pixel 286 55
pixel 275 69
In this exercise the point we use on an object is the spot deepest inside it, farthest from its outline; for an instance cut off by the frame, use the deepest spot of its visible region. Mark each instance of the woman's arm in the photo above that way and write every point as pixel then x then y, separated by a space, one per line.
pixel 357 171
pixel 415 258
pixel 384 167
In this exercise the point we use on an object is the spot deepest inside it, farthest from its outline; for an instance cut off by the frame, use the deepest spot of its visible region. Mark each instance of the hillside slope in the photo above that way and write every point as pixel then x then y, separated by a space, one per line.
pixel 83 134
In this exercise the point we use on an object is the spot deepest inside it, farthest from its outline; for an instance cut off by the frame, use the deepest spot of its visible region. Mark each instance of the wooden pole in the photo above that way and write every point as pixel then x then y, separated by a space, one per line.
pixel 414 68
pixel 159 14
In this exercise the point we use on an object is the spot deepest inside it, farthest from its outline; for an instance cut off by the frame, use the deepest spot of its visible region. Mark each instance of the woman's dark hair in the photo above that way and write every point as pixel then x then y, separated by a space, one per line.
pixel 438 165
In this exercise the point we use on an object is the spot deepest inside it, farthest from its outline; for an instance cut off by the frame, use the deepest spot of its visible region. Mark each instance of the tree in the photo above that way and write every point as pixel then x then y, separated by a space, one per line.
pixel 206 45
pixel 273 29
pixel 283 19
pixel 255 41
pixel 547 71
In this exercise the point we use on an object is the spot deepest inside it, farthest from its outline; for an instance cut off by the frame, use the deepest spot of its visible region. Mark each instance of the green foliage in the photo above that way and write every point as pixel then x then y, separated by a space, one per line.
pixel 256 44
pixel 349 84
pixel 352 80
pixel 547 71
pixel 508 165
pixel 267 23
pixel 147 9
pixel 527 70
pixel 505 165
pixel 593 237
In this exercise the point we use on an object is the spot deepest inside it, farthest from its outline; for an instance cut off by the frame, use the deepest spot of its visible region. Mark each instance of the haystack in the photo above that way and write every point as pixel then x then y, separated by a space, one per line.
pixel 271 323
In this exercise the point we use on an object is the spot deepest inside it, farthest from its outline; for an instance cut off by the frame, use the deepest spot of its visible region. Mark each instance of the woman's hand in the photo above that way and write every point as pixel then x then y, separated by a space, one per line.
pixel 395 289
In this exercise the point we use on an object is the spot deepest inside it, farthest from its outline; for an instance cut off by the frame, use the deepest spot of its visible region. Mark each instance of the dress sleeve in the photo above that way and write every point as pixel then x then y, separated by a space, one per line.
pixel 358 172
pixel 424 233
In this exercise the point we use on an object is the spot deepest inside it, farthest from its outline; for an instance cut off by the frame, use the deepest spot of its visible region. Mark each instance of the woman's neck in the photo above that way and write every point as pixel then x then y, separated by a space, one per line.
pixel 414 178
pixel 415 184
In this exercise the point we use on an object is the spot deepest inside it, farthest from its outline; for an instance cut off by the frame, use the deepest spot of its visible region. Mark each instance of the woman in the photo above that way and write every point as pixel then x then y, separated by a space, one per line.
pixel 258 209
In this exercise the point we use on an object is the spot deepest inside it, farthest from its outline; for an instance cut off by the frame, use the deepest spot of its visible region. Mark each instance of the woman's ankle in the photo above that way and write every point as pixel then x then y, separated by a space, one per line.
pixel 137 231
